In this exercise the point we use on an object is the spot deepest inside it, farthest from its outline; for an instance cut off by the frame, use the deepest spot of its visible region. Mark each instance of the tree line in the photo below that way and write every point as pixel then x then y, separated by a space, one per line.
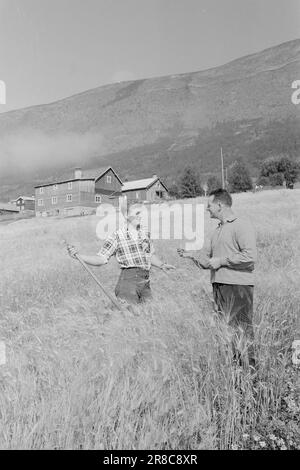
pixel 274 171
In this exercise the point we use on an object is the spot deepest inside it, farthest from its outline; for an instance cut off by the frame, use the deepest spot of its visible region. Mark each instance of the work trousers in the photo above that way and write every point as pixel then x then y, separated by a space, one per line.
pixel 133 285
pixel 235 304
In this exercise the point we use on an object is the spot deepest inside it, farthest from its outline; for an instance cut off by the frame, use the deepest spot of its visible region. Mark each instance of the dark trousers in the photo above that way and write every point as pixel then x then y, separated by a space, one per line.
pixel 133 285
pixel 235 304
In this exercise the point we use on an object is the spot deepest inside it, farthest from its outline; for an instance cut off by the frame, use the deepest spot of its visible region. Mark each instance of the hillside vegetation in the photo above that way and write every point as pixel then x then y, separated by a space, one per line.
pixel 154 125
pixel 79 375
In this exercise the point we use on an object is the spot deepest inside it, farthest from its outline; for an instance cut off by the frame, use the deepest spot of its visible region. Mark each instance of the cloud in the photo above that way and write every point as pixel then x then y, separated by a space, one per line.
pixel 32 151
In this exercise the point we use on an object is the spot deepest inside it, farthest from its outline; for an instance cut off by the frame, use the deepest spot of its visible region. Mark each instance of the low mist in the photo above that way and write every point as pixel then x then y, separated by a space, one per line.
pixel 33 152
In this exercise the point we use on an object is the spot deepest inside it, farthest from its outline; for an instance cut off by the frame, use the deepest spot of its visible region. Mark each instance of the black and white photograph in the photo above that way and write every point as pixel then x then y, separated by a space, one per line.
pixel 149 228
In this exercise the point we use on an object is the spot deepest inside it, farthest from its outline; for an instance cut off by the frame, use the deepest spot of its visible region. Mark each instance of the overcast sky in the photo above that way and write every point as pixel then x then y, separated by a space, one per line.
pixel 51 49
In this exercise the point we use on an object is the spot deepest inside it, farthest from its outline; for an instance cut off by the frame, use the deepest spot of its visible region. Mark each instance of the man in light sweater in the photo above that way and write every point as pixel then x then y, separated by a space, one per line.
pixel 230 255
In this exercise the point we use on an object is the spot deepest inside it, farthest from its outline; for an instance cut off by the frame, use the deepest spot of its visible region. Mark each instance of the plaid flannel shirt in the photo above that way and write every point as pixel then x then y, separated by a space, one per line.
pixel 130 252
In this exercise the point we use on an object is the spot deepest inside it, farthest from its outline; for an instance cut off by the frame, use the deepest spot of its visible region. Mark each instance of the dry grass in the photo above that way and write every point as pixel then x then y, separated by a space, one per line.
pixel 79 375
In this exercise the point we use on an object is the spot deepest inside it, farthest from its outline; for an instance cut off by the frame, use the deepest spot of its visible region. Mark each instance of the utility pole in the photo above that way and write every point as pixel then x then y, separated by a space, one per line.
pixel 226 177
pixel 222 165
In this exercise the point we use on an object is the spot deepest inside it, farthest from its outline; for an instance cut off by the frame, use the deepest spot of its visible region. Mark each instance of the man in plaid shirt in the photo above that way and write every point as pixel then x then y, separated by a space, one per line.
pixel 134 252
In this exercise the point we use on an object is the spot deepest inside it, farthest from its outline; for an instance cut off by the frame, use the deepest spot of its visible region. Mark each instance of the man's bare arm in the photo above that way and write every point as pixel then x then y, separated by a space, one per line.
pixel 93 260
pixel 155 261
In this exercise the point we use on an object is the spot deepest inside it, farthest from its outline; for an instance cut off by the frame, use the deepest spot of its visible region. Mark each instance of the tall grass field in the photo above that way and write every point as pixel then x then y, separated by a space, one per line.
pixel 80 375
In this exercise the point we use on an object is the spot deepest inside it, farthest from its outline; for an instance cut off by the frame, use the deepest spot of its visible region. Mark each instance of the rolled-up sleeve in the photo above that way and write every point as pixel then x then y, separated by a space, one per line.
pixel 245 255
pixel 109 247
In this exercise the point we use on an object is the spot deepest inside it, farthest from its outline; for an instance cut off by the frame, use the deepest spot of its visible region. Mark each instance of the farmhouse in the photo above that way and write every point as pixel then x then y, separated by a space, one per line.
pixel 78 194
pixel 148 189
pixel 24 203
pixel 8 209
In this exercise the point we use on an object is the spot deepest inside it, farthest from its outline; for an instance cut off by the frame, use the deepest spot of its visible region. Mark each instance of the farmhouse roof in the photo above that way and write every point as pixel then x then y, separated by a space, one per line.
pixel 25 198
pixel 85 175
pixel 8 207
pixel 145 183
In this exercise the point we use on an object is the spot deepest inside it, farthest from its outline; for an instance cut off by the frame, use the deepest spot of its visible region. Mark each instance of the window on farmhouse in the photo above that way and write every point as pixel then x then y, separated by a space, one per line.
pixel 97 198
pixel 108 179
pixel 54 200
pixel 70 185
pixel 69 197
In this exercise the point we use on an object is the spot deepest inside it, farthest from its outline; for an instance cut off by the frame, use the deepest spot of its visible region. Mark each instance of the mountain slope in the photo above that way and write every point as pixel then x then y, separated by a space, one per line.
pixel 157 125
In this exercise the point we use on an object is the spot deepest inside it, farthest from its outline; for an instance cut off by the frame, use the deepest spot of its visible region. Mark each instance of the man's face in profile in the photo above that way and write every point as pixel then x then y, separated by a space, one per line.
pixel 213 208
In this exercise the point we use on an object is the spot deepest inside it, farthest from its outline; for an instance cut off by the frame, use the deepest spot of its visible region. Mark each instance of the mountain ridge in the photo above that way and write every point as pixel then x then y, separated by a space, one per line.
pixel 239 59
pixel 191 114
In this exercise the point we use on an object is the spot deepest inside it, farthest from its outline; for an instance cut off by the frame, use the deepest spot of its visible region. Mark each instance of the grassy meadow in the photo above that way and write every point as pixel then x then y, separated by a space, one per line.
pixel 80 375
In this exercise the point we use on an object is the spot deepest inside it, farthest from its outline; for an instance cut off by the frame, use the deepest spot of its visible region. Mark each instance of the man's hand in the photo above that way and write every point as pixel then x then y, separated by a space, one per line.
pixel 215 263
pixel 182 253
pixel 72 251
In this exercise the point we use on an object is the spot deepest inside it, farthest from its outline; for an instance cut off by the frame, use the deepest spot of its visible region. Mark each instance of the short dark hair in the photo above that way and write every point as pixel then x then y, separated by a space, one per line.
pixel 221 195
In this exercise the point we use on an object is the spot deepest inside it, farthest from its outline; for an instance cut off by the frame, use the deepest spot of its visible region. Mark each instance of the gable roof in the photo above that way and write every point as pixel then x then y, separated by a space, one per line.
pixel 86 175
pixel 105 171
pixel 145 183
pixel 25 198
